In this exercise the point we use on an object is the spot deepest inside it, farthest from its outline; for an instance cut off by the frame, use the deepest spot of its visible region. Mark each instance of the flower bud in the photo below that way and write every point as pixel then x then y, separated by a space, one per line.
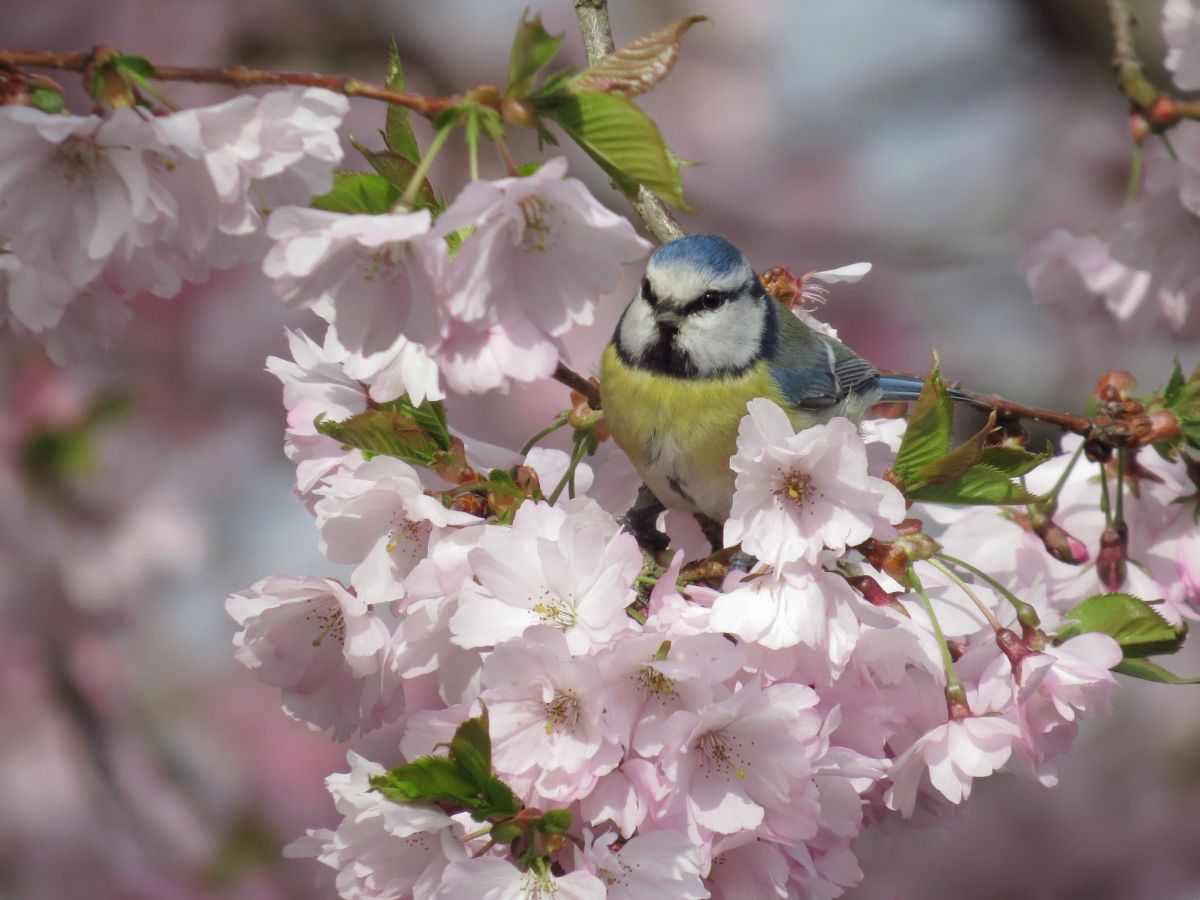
pixel 1139 128
pixel 519 112
pixel 1111 560
pixel 1164 426
pixel 1058 543
pixel 1012 647
pixel 1115 386
pixel 1164 111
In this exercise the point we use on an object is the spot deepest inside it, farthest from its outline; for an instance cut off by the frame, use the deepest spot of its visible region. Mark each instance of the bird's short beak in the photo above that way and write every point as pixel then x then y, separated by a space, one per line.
pixel 668 318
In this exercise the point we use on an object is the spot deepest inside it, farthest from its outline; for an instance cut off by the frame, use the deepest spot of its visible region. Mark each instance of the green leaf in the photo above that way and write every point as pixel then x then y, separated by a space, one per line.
pixel 957 462
pixel 620 138
pixel 398 131
pixel 430 415
pixel 927 436
pixel 638 66
pixel 496 800
pixel 1013 461
pixel 471 748
pixel 46 100
pixel 555 821
pixel 398 172
pixel 138 68
pixel 1148 670
pixel 358 193
pixel 1130 621
pixel 532 49
pixel 1174 384
pixel 428 778
pixel 981 485
pixel 384 432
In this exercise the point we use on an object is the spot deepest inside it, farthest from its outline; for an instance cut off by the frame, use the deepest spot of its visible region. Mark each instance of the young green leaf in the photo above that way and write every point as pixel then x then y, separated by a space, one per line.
pixel 532 49
pixel 1013 461
pixel 927 436
pixel 957 462
pixel 1148 670
pixel 496 800
pixel 384 432
pixel 427 778
pixel 358 193
pixel 638 66
pixel 981 485
pixel 471 748
pixel 1130 621
pixel 398 132
pixel 430 415
pixel 622 140
pixel 398 172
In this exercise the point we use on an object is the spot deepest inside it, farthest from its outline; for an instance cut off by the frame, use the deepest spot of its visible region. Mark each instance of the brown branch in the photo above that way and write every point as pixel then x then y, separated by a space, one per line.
pixel 241 77
pixel 1161 109
pixel 577 382
pixel 596 28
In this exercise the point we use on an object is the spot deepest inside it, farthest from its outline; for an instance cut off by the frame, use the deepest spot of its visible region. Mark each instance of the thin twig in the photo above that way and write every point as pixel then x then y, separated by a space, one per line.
pixel 577 382
pixel 1160 108
pixel 596 28
pixel 241 77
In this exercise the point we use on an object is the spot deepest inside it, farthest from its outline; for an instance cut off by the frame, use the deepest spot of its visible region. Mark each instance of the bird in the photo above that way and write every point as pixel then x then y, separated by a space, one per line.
pixel 699 340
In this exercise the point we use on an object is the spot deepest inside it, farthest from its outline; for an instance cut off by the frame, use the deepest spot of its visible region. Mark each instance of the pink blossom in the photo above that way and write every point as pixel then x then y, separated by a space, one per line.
pixel 653 864
pixel 550 735
pixel 1061 686
pixel 544 250
pixel 381 850
pixel 564 566
pixel 954 753
pixel 746 761
pixel 800 493
pixel 496 879
pixel 371 276
pixel 125 203
pixel 324 647
pixel 378 517
pixel 747 865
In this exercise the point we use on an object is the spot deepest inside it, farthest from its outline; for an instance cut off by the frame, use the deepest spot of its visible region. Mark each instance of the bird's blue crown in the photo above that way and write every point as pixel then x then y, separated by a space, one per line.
pixel 708 252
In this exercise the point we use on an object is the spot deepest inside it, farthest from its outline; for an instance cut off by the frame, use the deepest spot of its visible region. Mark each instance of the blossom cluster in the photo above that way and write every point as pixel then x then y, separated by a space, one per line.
pixel 97 209
pixel 699 735
pixel 722 740
pixel 1141 266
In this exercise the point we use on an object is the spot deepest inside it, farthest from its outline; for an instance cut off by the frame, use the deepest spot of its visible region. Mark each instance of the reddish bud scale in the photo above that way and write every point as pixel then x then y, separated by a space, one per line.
pixel 1012 647
pixel 527 480
pixel 1115 385
pixel 470 502
pixel 1164 111
pixel 1139 128
pixel 887 556
pixel 1111 561
pixel 783 285
pixel 519 112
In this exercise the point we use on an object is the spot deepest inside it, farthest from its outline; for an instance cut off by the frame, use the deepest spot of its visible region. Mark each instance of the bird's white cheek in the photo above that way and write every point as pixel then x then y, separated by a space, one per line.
pixel 639 332
pixel 721 340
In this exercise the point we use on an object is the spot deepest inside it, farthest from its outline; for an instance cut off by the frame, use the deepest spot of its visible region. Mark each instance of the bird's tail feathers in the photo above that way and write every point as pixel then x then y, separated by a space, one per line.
pixel 906 387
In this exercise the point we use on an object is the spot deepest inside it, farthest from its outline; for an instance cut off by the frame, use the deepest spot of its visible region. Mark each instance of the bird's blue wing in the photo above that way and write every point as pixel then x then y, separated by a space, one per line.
pixel 817 372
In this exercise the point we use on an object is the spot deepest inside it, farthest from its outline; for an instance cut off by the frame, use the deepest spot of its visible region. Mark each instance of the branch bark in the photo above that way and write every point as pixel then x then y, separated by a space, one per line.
pixel 241 77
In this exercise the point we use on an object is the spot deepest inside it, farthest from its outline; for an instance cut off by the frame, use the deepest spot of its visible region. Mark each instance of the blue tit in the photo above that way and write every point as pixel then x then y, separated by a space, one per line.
pixel 702 338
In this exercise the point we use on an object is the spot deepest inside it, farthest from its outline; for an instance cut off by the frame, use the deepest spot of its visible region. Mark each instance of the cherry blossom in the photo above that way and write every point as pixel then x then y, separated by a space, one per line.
pixel 563 566
pixel 381 849
pixel 543 251
pixel 324 647
pixel 1181 29
pixel 653 864
pixel 800 493
pixel 495 878
pixel 550 736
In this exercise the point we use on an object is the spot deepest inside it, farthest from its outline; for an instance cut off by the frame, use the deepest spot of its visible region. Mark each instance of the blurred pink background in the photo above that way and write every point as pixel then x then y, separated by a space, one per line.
pixel 934 138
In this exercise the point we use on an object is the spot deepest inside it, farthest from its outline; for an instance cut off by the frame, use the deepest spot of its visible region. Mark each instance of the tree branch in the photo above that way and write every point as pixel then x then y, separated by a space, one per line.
pixel 1160 109
pixel 240 77
pixel 596 28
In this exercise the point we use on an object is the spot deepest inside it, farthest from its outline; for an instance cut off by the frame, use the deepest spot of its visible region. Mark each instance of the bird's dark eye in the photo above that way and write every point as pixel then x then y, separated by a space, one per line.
pixel 712 299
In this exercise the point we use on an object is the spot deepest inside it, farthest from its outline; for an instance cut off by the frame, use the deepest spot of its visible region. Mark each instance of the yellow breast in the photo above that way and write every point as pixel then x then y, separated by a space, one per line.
pixel 680 432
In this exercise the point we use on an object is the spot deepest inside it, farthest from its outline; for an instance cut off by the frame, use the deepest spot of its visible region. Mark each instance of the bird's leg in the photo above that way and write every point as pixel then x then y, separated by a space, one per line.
pixel 642 522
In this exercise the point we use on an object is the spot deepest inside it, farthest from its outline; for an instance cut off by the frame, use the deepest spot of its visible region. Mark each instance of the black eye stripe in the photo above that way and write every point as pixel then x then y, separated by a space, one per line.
pixel 709 300
pixel 648 292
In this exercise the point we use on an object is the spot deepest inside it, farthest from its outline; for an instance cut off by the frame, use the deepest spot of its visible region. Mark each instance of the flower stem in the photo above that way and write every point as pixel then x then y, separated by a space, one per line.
pixel 569 476
pixel 1012 598
pixel 1135 174
pixel 418 177
pixel 956 694
pixel 962 585
pixel 559 422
